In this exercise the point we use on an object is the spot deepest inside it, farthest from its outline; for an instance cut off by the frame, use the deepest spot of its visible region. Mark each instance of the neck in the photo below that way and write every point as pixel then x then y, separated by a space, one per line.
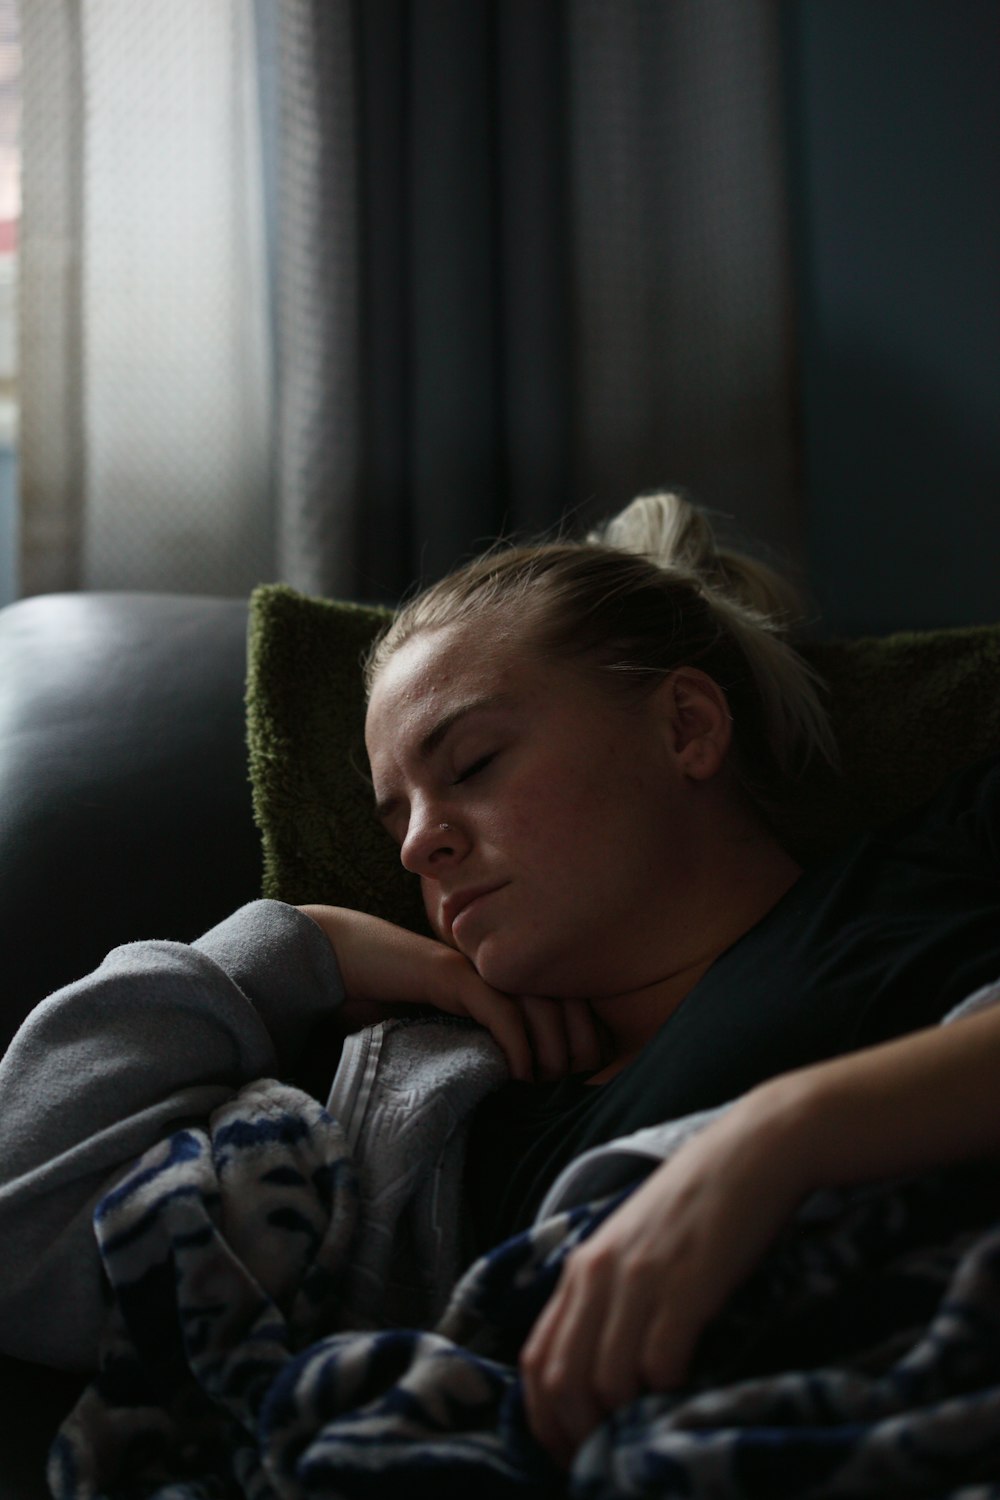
pixel 739 894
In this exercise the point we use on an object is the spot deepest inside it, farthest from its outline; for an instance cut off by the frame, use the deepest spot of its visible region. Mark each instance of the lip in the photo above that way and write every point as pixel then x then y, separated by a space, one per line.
pixel 454 905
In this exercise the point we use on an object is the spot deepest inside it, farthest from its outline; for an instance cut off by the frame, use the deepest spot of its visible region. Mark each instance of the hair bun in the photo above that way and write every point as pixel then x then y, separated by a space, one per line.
pixel 665 527
pixel 678 535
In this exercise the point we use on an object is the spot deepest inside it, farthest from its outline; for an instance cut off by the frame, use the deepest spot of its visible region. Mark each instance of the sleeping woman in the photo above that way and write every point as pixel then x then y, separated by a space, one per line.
pixel 579 749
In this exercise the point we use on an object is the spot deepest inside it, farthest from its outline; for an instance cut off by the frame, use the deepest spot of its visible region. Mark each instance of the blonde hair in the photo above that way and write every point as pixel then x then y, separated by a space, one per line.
pixel 649 592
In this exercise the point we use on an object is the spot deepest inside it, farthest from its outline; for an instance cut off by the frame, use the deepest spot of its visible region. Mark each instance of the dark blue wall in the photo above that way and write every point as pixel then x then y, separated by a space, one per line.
pixel 894 123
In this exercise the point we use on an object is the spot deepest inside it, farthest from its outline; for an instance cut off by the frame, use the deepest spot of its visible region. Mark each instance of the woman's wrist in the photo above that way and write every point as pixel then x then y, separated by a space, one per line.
pixel 789 1119
pixel 924 1100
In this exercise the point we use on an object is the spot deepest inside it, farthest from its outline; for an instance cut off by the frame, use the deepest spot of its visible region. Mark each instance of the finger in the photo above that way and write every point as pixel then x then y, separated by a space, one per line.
pixel 537 1371
pixel 666 1351
pixel 544 1380
pixel 585 1039
pixel 558 1365
pixel 625 1348
pixel 546 1028
pixel 671 1335
pixel 503 1020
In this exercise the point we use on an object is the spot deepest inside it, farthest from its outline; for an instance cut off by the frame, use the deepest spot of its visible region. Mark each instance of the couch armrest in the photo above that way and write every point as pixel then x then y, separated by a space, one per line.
pixel 125 807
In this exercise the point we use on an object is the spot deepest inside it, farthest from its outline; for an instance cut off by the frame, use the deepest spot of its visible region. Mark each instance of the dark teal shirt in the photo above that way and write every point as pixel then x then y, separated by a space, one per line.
pixel 881 940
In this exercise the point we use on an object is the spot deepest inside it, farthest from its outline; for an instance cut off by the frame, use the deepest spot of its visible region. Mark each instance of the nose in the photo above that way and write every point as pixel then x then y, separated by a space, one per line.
pixel 431 843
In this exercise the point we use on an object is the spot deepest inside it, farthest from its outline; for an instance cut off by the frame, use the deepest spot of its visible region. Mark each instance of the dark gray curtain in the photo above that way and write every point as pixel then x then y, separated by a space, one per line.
pixel 530 258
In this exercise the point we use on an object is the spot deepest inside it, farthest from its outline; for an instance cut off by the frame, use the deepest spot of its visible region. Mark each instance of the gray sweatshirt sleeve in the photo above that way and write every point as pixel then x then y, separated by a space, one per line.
pixel 158 1036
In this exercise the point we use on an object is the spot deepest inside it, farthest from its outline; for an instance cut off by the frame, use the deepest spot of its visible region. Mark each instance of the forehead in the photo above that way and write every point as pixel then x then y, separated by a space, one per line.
pixel 438 671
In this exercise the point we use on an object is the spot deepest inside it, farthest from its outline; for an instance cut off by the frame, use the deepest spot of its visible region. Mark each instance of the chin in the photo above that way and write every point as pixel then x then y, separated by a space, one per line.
pixel 497 965
pixel 520 973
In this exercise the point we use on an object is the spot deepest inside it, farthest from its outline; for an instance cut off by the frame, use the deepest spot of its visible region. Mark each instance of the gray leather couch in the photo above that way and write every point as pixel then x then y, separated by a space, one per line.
pixel 125 813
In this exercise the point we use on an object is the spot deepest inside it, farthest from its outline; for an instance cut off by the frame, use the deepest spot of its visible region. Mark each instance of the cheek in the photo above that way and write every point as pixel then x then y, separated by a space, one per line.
pixel 570 812
pixel 539 813
pixel 553 830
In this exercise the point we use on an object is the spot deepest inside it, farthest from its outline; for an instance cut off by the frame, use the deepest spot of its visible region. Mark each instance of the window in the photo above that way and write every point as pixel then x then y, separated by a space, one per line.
pixel 10 217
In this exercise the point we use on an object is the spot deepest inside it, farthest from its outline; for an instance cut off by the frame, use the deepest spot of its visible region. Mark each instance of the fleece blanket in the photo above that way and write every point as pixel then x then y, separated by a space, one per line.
pixel 863 1358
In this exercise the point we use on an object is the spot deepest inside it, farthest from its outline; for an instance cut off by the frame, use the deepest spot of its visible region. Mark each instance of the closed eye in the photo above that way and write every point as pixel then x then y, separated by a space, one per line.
pixel 475 768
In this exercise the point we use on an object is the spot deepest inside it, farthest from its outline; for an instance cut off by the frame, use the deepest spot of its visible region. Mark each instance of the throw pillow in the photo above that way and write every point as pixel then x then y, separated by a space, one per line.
pixel 908 709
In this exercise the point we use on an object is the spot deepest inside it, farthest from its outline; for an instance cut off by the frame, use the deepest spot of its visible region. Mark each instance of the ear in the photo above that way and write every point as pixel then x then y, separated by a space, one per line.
pixel 696 718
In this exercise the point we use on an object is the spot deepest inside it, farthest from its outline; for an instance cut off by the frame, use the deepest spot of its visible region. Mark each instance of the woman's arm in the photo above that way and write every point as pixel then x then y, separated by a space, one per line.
pixel 633 1300
pixel 159 1036
pixel 386 968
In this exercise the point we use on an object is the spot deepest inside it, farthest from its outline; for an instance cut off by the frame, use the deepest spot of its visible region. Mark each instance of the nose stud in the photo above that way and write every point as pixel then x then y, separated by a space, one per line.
pixel 444 827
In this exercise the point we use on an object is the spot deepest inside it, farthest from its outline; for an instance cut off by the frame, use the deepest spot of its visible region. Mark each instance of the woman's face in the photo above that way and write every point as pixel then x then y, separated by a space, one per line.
pixel 550 821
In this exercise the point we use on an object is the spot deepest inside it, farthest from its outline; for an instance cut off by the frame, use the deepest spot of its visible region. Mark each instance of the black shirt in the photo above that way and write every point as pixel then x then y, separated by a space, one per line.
pixel 880 940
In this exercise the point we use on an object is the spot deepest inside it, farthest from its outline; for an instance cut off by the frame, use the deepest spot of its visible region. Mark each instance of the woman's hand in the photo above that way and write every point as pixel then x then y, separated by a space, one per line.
pixel 633 1300
pixel 384 967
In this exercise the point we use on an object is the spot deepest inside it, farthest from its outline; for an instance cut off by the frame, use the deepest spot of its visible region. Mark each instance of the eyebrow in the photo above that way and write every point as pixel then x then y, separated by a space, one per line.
pixel 439 732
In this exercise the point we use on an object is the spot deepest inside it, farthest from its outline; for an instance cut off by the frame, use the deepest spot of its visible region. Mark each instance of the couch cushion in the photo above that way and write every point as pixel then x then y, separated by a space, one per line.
pixel 125 806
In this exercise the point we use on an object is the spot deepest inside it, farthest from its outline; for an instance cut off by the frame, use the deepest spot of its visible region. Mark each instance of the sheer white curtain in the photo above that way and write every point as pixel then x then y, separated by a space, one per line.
pixel 146 381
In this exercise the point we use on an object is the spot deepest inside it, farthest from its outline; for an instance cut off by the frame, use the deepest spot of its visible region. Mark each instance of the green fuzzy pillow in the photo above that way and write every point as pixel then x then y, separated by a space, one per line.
pixel 308 767
pixel 908 709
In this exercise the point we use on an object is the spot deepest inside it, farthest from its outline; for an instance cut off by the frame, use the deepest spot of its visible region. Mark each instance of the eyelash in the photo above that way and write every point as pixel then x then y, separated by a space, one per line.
pixel 475 768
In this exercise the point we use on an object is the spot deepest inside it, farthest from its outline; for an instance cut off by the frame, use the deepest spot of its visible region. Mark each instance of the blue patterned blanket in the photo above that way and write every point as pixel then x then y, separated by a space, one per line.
pixel 862 1359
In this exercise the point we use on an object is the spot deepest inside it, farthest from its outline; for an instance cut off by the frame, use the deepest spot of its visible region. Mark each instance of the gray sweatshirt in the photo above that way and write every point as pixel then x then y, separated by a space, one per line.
pixel 159 1036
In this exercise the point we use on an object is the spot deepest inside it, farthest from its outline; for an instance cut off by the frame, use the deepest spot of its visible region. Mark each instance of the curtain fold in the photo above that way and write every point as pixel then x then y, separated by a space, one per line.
pixel 565 225
pixel 680 257
pixel 318 288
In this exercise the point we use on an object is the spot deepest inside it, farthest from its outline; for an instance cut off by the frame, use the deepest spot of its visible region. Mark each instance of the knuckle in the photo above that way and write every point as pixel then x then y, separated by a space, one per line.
pixel 637 1267
pixel 551 1380
pixel 594 1260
